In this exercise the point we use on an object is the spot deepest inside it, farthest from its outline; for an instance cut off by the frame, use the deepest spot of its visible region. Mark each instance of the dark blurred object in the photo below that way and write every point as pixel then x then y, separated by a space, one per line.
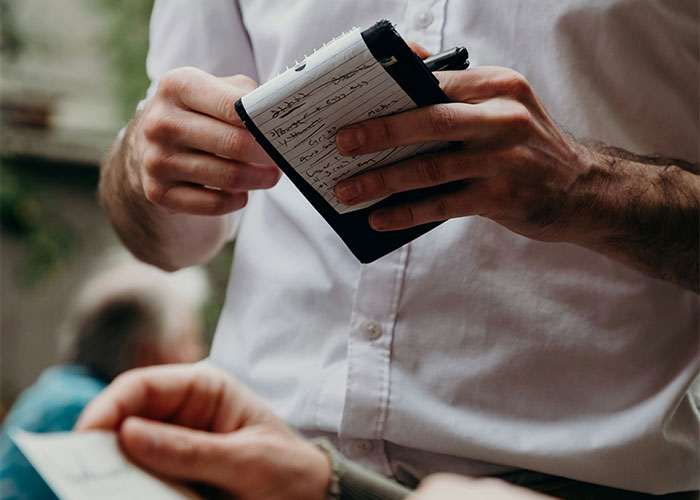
pixel 26 110
pixel 10 40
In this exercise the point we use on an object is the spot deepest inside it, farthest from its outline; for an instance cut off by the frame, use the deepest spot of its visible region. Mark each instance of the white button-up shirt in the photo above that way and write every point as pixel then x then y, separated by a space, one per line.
pixel 472 349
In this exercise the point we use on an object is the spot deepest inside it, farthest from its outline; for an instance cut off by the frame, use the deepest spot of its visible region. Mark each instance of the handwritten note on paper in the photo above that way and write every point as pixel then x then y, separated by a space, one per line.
pixel 301 110
pixel 90 465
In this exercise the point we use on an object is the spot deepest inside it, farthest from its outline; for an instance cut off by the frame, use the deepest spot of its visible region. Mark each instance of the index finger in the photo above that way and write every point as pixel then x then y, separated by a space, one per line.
pixel 153 392
pixel 473 123
pixel 197 396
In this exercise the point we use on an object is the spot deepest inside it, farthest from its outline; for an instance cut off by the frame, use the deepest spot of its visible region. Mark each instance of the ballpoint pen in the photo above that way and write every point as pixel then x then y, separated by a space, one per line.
pixel 451 59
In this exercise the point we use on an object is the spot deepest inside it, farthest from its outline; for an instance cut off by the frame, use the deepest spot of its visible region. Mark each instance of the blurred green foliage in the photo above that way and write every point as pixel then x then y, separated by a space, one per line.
pixel 10 41
pixel 127 44
pixel 26 213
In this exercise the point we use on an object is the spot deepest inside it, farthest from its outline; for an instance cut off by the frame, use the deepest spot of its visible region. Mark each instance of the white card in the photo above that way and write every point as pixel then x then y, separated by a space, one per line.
pixel 90 465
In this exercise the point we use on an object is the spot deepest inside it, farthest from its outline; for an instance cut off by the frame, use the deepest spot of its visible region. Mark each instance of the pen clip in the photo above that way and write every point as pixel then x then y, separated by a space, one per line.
pixel 455 58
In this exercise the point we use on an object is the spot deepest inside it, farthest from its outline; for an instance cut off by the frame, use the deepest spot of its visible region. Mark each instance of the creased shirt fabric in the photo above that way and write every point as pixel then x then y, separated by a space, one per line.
pixel 472 349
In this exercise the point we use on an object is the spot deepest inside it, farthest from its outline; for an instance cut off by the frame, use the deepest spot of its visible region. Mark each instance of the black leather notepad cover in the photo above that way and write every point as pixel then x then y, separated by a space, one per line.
pixel 418 82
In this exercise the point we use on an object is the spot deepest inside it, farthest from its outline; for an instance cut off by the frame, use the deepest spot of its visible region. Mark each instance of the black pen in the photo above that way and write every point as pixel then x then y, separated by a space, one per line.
pixel 450 59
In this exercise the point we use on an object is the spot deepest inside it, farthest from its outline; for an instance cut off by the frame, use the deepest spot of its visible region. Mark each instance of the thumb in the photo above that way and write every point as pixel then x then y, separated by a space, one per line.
pixel 177 452
pixel 418 49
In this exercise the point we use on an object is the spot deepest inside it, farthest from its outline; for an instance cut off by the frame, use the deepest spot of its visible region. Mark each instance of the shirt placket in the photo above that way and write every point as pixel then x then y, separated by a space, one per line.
pixel 369 359
pixel 424 22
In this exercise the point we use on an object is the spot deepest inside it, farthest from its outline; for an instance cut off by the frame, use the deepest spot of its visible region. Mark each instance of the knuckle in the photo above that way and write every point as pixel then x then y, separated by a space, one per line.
pixel 431 170
pixel 154 191
pixel 167 85
pixel 159 126
pixel 441 118
pixel 409 215
pixel 517 85
pixel 385 131
pixel 374 183
pixel 156 162
pixel 226 106
pixel 502 193
pixel 185 449
pixel 229 177
pixel 179 82
pixel 232 142
pixel 441 209
pixel 171 82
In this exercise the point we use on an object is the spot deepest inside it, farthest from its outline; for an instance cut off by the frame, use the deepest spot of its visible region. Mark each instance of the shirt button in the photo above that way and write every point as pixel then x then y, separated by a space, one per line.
pixel 371 330
pixel 423 19
pixel 361 448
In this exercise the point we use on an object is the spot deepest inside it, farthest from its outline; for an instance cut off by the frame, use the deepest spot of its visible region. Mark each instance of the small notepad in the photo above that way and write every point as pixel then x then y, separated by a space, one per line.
pixel 295 117
pixel 300 112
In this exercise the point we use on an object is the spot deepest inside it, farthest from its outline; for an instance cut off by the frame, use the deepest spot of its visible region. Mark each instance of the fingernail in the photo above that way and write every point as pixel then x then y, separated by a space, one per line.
pixel 347 191
pixel 350 139
pixel 379 219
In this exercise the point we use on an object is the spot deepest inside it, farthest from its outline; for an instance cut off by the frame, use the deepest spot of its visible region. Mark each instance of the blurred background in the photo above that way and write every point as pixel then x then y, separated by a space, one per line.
pixel 71 74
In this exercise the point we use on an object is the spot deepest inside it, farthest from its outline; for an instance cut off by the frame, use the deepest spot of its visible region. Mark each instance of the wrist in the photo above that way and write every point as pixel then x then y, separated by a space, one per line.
pixel 593 201
pixel 640 211
pixel 351 481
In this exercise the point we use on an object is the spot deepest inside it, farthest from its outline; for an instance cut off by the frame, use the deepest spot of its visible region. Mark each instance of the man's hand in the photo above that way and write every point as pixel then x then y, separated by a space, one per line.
pixel 516 167
pixel 186 154
pixel 196 155
pixel 453 487
pixel 196 423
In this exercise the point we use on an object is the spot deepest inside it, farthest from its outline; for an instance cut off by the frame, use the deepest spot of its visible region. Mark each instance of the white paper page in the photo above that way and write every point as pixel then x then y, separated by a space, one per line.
pixel 90 465
pixel 301 110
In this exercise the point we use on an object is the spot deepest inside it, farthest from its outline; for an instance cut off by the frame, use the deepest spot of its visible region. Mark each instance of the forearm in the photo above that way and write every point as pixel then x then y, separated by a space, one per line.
pixel 641 211
pixel 152 233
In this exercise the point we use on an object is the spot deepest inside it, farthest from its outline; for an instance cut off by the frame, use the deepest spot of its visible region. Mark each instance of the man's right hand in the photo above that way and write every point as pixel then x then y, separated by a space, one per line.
pixel 184 162
pixel 193 153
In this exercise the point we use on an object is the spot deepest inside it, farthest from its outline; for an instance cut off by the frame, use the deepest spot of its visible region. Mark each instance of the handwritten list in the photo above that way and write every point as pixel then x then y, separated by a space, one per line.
pixel 302 109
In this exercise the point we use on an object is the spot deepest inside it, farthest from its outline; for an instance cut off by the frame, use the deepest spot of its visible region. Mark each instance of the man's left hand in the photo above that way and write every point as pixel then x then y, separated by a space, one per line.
pixel 517 168
pixel 518 165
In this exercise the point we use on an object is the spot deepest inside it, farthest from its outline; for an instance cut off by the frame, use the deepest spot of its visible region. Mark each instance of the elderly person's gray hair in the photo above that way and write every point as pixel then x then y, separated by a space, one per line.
pixel 125 308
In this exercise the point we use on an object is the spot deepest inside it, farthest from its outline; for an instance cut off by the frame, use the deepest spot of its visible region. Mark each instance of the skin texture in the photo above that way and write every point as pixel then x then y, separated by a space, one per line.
pixel 196 423
pixel 517 168
pixel 453 487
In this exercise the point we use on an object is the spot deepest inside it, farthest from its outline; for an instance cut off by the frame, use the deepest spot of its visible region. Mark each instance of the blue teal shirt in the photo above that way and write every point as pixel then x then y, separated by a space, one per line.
pixel 53 403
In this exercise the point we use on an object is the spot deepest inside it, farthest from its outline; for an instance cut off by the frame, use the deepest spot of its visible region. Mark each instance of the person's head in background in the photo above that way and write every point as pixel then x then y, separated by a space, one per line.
pixel 131 314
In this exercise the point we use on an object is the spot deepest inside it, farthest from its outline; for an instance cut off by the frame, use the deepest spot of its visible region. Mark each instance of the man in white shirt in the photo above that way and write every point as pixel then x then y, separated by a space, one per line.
pixel 526 338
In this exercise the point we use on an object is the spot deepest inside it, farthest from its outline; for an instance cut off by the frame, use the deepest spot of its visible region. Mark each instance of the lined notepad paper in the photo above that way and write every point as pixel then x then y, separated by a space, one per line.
pixel 301 110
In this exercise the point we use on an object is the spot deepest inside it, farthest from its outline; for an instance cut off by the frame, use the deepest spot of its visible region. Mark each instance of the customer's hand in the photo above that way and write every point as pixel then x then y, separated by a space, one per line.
pixel 191 153
pixel 453 487
pixel 196 423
